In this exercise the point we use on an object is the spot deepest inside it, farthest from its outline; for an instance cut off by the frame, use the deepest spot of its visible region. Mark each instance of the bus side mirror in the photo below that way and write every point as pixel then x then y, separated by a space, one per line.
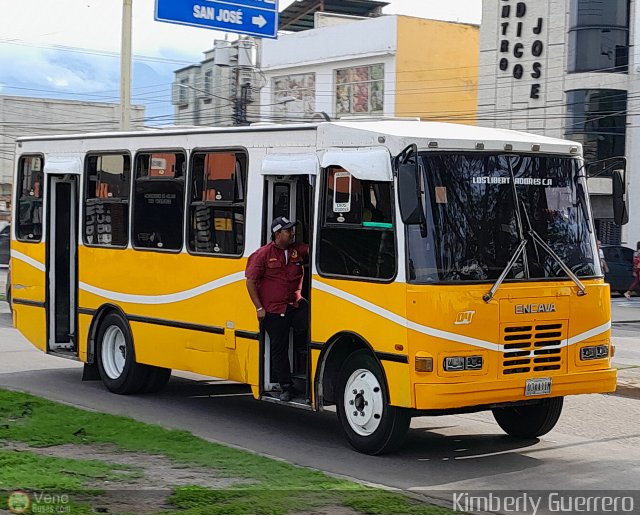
pixel 409 194
pixel 620 212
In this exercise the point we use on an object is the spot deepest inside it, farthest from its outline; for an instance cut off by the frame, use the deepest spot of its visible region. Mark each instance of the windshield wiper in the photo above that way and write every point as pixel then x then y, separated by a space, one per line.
pixel 536 238
pixel 489 295
pixel 523 244
pixel 523 241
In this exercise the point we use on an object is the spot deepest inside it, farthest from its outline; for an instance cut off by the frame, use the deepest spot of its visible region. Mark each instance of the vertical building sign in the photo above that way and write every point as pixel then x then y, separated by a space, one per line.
pixel 518 55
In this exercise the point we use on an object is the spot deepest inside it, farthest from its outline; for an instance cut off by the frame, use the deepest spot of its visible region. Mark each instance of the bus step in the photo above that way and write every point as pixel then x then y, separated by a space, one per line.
pixel 297 402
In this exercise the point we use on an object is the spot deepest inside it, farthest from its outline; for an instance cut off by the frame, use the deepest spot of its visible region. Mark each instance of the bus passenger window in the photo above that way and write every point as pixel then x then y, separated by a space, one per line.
pixel 357 237
pixel 106 209
pixel 29 199
pixel 158 207
pixel 217 203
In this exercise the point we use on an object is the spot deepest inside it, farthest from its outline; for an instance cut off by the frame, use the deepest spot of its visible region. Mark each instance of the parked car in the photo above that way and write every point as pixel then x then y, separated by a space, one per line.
pixel 4 245
pixel 620 262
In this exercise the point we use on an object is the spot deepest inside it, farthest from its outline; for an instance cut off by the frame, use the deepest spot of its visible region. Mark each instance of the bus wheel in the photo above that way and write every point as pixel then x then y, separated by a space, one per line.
pixel 116 357
pixel 157 379
pixel 370 424
pixel 529 421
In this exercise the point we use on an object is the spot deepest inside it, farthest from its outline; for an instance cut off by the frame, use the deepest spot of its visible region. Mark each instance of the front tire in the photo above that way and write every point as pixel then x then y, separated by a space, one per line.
pixel 371 425
pixel 116 357
pixel 530 421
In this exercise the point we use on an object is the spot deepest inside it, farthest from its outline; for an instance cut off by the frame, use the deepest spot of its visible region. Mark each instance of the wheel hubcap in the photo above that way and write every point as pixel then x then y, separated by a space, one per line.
pixel 363 402
pixel 114 352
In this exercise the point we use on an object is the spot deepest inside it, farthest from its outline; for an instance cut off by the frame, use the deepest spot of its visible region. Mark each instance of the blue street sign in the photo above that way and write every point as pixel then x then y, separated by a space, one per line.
pixel 252 17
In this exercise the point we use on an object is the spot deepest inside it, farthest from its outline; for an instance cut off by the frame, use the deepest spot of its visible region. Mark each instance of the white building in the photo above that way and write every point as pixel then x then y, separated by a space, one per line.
pixel 346 66
pixel 24 116
pixel 564 68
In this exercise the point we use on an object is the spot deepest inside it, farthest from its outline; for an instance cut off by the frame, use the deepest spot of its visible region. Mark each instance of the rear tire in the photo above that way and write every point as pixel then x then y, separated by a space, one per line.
pixel 371 425
pixel 530 421
pixel 116 357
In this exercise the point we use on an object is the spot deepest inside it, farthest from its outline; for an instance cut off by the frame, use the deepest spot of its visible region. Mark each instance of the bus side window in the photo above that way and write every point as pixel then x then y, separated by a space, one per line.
pixel 106 210
pixel 158 207
pixel 217 203
pixel 29 199
pixel 357 238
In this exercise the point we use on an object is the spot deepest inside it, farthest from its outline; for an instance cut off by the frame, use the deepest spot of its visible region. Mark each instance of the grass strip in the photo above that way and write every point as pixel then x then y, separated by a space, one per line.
pixel 268 487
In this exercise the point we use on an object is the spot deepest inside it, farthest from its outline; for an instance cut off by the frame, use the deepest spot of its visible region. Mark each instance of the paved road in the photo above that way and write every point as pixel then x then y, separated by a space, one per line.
pixel 595 445
pixel 623 310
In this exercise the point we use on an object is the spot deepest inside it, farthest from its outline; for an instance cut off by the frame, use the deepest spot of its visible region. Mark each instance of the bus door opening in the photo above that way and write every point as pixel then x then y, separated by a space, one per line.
pixel 291 196
pixel 62 263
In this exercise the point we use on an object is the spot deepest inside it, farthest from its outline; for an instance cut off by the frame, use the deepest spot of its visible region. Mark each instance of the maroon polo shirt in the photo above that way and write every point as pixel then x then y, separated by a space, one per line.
pixel 279 281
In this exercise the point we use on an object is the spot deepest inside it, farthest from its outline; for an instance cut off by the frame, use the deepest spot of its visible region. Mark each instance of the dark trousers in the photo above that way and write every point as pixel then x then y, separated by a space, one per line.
pixel 277 326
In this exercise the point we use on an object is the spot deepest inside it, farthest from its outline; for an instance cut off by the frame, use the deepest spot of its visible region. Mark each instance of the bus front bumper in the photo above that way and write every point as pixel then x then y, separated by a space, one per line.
pixel 442 396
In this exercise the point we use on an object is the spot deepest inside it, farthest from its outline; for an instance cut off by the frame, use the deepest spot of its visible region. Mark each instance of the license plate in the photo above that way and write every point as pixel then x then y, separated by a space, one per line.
pixel 540 386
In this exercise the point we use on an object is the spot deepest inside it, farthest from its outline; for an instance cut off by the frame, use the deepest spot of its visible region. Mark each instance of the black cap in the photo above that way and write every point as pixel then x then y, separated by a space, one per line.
pixel 280 223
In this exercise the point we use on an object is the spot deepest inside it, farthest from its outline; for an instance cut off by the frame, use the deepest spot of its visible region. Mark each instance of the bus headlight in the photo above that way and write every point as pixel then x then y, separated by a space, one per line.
pixel 473 363
pixel 457 363
pixel 594 352
pixel 453 364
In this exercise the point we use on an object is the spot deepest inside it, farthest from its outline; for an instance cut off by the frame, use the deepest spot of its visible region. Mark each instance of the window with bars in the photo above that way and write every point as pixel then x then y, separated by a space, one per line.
pixel 106 206
pixel 217 203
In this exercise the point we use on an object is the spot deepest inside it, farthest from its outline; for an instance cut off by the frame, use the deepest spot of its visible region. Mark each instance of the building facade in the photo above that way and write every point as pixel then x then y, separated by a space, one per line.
pixel 564 68
pixel 346 66
pixel 222 90
pixel 25 116
pixel 383 66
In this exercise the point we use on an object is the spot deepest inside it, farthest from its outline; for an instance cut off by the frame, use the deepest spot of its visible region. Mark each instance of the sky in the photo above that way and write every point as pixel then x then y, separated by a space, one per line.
pixel 70 48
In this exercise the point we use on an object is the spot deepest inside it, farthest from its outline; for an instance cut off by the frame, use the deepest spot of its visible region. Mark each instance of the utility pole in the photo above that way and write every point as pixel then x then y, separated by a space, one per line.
pixel 125 66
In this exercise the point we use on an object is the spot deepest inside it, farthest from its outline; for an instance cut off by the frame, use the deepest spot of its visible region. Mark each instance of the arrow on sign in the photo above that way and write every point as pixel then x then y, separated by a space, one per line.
pixel 259 21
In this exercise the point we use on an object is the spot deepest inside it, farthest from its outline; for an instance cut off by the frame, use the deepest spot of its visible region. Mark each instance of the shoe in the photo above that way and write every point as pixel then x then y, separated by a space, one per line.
pixel 285 396
pixel 627 295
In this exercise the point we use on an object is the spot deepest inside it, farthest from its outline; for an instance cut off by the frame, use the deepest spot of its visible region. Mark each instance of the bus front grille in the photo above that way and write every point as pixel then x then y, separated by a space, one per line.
pixel 533 347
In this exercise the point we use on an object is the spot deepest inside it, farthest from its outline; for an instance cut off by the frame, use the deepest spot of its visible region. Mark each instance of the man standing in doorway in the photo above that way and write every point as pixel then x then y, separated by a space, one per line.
pixel 274 280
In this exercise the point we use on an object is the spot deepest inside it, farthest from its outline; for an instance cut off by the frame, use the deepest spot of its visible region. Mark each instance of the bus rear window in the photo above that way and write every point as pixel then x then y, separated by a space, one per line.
pixel 29 199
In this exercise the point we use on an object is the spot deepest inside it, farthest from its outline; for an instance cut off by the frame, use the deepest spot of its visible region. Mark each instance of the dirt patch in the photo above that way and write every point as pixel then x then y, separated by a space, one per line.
pixel 145 494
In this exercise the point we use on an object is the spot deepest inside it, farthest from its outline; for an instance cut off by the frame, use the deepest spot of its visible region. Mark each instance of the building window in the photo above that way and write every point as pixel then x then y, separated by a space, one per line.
pixel 29 199
pixel 106 207
pixel 158 209
pixel 294 95
pixel 217 203
pixel 207 85
pixel 597 118
pixel 357 237
pixel 360 90
pixel 599 36
pixel 182 91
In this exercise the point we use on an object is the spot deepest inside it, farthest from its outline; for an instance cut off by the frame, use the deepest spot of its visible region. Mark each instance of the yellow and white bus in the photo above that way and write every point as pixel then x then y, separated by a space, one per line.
pixel 452 268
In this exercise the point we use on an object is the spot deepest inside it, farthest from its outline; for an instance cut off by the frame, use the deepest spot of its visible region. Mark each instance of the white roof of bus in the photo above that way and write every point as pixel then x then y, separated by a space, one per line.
pixel 448 136
pixel 397 134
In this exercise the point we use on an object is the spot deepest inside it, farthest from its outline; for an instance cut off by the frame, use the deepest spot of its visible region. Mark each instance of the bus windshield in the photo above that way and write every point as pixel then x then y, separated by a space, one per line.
pixel 475 225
